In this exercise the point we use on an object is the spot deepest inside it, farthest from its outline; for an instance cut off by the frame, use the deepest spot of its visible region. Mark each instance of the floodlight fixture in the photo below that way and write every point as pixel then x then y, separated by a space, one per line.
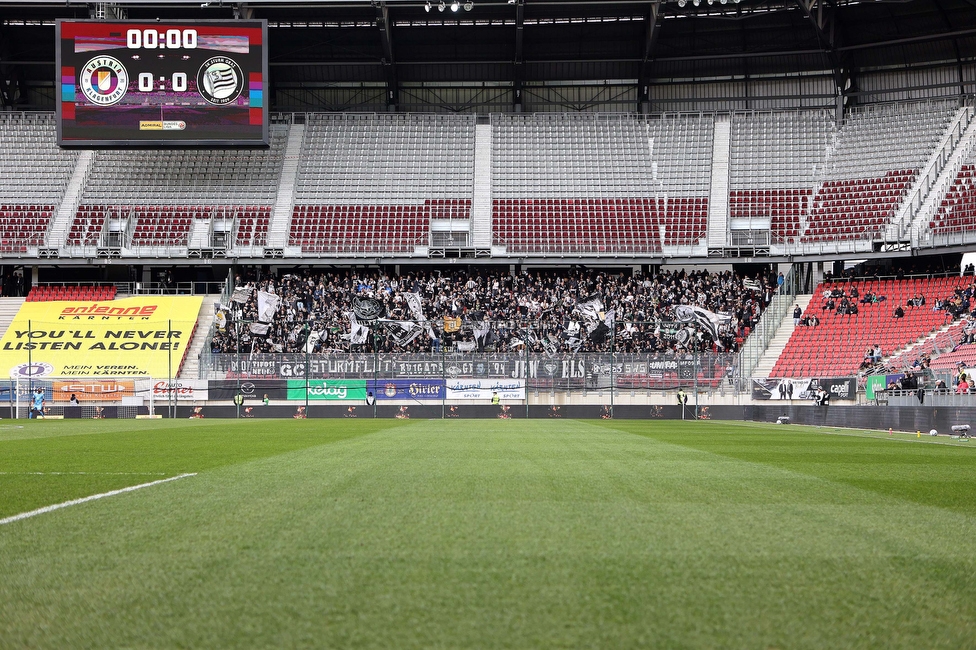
pixel 455 5
pixel 427 6
pixel 442 6
pixel 468 6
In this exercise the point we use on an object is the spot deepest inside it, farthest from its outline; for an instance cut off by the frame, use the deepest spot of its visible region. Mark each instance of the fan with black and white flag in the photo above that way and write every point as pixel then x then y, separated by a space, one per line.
pixel 402 331
pixel 268 304
pixel 241 294
pixel 357 333
pixel 367 308
pixel 706 320
pixel 751 285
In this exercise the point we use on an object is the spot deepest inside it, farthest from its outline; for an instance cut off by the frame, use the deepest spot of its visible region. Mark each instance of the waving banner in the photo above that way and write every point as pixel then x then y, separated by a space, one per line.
pixel 707 320
pixel 268 304
pixel 367 308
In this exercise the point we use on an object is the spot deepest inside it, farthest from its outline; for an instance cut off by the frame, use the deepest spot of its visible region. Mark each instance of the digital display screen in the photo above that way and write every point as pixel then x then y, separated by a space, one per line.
pixel 165 83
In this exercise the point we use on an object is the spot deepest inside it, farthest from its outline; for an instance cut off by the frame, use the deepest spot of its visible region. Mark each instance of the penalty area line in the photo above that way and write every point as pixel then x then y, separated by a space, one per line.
pixel 75 502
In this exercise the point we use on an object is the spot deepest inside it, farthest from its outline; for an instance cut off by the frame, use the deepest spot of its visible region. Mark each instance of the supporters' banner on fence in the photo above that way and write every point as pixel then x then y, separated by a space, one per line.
pixel 328 389
pixel 418 389
pixel 126 337
pixel 803 389
pixel 485 388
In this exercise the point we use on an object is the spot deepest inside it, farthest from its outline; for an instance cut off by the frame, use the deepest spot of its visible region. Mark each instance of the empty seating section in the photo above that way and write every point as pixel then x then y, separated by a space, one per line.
pixel 165 192
pixel 957 212
pixel 161 226
pixel 34 174
pixel 598 183
pixel 775 158
pixel 252 225
pixel 857 208
pixel 23 225
pixel 836 347
pixel 598 226
pixel 86 229
pixel 337 229
pixel 872 163
pixel 372 182
pixel 45 293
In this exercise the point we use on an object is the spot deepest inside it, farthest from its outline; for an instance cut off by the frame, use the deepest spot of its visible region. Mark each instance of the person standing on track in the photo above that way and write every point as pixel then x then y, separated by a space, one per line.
pixel 37 404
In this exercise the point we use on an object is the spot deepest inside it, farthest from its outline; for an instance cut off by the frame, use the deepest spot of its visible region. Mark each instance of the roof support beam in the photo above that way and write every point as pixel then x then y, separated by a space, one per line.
pixel 822 15
pixel 653 23
pixel 518 71
pixel 389 62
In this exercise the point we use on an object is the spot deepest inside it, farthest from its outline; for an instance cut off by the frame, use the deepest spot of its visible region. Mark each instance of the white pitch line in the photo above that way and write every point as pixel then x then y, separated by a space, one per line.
pixel 74 502
pixel 82 473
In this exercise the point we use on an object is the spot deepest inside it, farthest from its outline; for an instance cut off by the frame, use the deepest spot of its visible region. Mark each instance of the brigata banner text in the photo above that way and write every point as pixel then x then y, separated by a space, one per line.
pixel 131 337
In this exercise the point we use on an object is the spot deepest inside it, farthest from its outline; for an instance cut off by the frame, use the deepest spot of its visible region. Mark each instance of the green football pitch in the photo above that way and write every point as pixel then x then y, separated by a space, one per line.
pixel 484 534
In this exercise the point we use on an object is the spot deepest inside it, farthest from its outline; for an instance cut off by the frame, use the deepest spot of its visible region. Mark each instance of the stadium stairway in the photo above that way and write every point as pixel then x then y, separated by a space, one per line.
pixel 481 205
pixel 944 163
pixel 285 201
pixel 8 310
pixel 65 215
pixel 191 366
pixel 780 340
pixel 718 198
pixel 943 184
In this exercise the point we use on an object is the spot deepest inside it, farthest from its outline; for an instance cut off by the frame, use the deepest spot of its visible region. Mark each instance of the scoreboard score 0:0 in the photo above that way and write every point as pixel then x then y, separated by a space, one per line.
pixel 162 83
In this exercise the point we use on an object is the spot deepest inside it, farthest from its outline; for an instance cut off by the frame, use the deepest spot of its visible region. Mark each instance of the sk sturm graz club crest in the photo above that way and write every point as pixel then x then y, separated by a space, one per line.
pixel 104 81
pixel 220 80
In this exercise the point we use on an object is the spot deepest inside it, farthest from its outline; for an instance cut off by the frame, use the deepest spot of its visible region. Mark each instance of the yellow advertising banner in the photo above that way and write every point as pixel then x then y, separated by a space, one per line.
pixel 132 337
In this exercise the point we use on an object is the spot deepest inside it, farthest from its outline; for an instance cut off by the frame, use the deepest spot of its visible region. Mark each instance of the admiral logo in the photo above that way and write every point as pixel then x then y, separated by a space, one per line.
pixel 95 309
pixel 150 126
pixel 220 80
pixel 104 81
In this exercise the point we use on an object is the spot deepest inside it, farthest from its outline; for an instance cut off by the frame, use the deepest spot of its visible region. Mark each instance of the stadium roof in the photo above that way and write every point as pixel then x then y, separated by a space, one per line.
pixel 386 48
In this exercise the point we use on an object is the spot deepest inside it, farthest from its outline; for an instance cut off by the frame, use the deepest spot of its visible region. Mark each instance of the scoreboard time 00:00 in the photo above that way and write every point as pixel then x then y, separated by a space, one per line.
pixel 172 39
pixel 150 39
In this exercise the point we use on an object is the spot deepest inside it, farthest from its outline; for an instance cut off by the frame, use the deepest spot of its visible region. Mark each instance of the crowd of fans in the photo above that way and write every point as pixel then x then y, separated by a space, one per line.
pixel 533 309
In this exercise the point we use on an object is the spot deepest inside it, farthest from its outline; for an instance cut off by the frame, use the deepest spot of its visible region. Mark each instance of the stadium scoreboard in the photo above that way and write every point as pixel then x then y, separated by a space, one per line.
pixel 165 83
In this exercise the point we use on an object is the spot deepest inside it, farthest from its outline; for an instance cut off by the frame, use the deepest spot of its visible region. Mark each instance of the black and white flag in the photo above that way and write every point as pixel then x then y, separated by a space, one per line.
pixel 241 294
pixel 367 308
pixel 357 333
pixel 268 304
pixel 402 331
pixel 708 321
pixel 591 308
